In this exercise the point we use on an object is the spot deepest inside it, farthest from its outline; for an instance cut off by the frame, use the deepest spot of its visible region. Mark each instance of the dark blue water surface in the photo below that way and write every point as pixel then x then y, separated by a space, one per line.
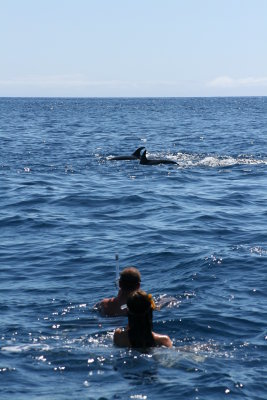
pixel 197 232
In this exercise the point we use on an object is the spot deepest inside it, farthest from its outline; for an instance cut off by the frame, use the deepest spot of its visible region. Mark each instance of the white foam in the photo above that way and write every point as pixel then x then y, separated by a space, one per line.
pixel 194 160
pixel 217 162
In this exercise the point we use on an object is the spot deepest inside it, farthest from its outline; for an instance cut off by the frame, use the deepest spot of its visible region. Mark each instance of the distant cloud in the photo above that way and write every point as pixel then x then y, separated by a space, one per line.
pixel 228 82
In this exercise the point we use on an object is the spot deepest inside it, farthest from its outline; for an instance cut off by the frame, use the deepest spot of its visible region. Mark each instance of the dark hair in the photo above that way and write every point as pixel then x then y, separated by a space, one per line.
pixel 140 314
pixel 130 279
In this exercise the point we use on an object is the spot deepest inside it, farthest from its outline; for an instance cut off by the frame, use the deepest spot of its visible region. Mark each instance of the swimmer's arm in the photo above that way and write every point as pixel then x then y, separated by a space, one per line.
pixel 162 340
pixel 120 338
pixel 117 337
pixel 166 341
pixel 104 307
pixel 99 307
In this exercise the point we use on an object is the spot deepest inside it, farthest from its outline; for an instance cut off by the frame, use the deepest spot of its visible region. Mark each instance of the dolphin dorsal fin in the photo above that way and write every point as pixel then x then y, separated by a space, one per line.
pixel 143 158
pixel 137 152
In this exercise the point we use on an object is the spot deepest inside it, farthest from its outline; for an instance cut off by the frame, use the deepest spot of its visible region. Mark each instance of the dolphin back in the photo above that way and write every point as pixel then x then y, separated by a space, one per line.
pixel 134 156
pixel 146 161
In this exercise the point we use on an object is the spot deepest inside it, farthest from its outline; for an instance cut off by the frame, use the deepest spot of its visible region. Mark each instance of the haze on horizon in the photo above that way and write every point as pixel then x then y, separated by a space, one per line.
pixel 124 48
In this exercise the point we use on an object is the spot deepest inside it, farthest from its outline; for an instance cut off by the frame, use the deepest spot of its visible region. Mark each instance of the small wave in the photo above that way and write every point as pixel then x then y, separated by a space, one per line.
pixel 26 347
pixel 11 221
pixel 172 357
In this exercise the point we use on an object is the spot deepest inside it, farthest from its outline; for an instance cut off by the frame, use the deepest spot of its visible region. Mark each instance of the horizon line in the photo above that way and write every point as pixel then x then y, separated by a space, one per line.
pixel 127 97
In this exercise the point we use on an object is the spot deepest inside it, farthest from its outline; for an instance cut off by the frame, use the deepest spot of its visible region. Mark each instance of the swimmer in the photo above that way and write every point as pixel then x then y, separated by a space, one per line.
pixel 129 282
pixel 139 333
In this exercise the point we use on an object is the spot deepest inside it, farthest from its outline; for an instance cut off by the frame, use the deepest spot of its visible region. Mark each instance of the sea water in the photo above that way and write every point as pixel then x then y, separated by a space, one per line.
pixel 196 230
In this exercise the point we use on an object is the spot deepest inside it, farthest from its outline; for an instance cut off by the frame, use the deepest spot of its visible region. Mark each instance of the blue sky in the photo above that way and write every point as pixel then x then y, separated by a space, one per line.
pixel 133 48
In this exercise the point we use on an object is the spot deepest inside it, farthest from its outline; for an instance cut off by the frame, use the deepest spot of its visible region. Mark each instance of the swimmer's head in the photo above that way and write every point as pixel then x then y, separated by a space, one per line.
pixel 140 303
pixel 130 279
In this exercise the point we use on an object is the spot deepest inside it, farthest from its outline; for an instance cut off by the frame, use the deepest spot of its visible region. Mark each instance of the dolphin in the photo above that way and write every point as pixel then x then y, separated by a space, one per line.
pixel 134 156
pixel 145 161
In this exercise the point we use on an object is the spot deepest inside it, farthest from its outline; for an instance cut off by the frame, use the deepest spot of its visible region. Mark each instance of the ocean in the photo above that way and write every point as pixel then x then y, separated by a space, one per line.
pixel 197 231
